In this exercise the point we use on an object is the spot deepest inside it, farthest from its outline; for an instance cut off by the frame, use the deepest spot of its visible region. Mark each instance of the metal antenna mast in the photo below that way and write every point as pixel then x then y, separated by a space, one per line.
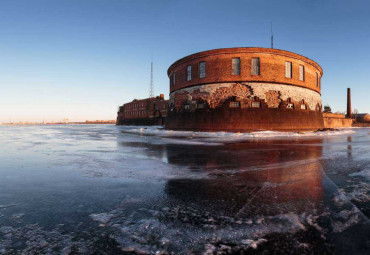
pixel 272 38
pixel 151 91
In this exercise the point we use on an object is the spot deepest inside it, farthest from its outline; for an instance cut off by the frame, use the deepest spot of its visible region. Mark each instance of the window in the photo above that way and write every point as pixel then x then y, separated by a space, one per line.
pixel 290 106
pixel 200 106
pixel 188 73
pixel 301 72
pixel 172 80
pixel 234 104
pixel 202 69
pixel 303 107
pixel 256 104
pixel 288 69
pixel 187 107
pixel 317 80
pixel 235 66
pixel 255 66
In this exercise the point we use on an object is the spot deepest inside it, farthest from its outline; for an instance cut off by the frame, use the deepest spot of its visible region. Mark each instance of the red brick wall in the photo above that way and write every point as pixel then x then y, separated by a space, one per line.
pixel 136 109
pixel 144 108
pixel 219 67
pixel 245 120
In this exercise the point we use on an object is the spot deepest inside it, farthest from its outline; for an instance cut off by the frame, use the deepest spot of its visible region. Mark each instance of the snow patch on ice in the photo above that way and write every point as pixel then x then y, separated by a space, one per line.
pixel 102 217
pixel 176 229
pixel 33 240
pixel 253 243
pixel 226 136
pixel 364 173
pixel 2 207
pixel 346 219
pixel 340 198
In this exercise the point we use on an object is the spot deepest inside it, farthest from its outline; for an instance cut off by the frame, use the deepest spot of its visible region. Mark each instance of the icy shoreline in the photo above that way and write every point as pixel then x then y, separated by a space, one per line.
pixel 227 136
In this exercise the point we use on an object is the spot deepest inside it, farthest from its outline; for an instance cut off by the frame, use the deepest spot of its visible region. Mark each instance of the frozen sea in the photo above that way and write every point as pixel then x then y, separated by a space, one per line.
pixel 103 189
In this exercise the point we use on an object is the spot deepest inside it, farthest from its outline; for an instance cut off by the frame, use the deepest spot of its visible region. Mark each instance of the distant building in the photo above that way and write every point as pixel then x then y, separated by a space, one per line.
pixel 148 111
pixel 361 117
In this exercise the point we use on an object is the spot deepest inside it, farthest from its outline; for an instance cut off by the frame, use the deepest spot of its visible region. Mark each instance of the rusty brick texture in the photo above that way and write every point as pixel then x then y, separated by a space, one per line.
pixel 272 68
pixel 223 101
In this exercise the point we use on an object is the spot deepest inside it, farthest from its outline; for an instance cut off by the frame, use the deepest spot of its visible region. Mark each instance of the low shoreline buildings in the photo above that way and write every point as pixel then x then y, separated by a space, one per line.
pixel 148 111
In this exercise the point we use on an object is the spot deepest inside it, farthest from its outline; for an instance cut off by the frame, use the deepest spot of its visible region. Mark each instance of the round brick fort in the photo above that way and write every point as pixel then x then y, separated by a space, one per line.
pixel 245 89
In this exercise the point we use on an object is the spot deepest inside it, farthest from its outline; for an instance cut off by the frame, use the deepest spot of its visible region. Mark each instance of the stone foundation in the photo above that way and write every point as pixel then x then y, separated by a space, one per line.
pixel 274 94
pixel 244 107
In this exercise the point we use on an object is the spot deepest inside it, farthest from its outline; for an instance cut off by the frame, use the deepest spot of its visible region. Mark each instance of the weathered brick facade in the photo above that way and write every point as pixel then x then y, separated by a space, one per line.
pixel 149 111
pixel 257 78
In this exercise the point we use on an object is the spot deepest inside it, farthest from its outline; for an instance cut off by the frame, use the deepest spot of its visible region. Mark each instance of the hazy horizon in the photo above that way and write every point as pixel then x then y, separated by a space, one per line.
pixel 80 60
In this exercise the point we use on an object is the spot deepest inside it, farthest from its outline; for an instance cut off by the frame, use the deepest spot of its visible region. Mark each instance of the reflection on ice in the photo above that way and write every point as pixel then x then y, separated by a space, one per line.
pixel 98 190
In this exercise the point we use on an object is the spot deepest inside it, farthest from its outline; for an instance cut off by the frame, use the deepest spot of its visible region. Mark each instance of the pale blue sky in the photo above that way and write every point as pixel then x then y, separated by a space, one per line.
pixel 80 59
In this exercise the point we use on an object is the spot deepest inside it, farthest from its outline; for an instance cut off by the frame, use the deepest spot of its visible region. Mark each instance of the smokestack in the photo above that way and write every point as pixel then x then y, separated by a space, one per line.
pixel 349 106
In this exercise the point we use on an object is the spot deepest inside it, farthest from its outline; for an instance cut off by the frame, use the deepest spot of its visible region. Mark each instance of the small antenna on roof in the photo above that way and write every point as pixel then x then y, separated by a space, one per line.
pixel 272 38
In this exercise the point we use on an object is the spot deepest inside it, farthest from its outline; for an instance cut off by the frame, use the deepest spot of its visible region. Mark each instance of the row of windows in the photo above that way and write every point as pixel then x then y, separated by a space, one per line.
pixel 258 105
pixel 135 113
pixel 136 105
pixel 202 71
pixel 236 104
pixel 255 66
pixel 235 70
pixel 301 75
pixel 235 62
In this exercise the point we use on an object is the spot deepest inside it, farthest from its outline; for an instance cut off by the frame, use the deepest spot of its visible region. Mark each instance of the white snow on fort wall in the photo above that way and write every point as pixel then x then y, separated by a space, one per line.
pixel 260 89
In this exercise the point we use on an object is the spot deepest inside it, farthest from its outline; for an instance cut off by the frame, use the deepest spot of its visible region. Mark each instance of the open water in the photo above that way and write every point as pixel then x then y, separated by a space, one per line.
pixel 94 189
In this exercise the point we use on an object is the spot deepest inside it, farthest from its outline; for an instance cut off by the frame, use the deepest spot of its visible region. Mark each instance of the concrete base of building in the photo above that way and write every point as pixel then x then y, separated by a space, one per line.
pixel 245 120
pixel 154 121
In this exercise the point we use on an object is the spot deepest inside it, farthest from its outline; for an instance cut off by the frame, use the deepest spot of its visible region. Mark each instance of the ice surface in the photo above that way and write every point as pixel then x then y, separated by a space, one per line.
pixel 364 173
pixel 107 189
pixel 152 233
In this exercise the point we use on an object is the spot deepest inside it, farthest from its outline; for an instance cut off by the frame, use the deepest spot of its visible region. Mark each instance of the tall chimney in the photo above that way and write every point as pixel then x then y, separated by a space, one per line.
pixel 349 107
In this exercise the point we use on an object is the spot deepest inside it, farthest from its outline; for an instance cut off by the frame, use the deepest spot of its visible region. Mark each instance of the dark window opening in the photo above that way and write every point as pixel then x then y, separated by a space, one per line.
pixel 234 104
pixel 235 66
pixel 256 104
pixel 255 63
pixel 202 69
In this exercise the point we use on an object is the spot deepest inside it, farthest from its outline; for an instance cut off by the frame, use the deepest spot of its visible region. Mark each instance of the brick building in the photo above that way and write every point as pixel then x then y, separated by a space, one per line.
pixel 149 111
pixel 361 117
pixel 245 89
